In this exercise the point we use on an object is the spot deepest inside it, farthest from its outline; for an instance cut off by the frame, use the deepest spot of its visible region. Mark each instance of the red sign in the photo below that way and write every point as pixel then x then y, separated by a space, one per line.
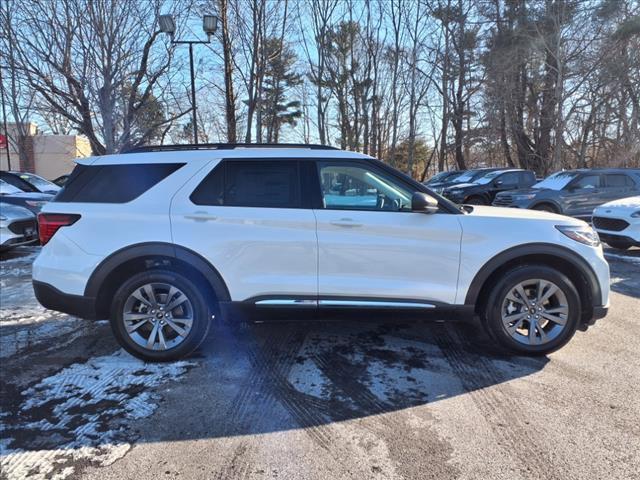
pixel 3 142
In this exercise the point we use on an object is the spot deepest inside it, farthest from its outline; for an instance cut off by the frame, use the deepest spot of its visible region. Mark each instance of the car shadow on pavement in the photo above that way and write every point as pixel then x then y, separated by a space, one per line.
pixel 278 376
pixel 246 379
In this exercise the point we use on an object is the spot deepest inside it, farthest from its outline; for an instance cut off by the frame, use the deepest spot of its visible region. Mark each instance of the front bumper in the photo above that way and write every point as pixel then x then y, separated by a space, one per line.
pixel 53 299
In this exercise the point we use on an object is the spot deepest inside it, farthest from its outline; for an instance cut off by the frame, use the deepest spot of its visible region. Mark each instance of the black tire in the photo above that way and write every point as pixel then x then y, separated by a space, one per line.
pixel 476 200
pixel 201 313
pixel 619 244
pixel 492 317
pixel 546 207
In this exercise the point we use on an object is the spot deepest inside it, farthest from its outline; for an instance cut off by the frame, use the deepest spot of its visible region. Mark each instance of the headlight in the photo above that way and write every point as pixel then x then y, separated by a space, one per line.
pixel 526 196
pixel 36 203
pixel 583 234
pixel 635 214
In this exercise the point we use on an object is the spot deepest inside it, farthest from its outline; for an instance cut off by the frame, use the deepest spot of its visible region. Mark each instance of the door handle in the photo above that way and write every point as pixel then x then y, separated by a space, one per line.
pixel 200 217
pixel 345 222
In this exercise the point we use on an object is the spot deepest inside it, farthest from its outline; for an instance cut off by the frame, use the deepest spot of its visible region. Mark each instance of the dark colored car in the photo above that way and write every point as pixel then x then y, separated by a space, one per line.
pixel 483 190
pixel 61 180
pixel 465 176
pixel 30 200
pixel 574 192
pixel 444 177
pixel 29 182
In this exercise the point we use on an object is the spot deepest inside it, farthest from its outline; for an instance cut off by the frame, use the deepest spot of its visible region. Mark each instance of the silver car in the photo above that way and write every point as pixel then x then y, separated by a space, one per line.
pixel 18 226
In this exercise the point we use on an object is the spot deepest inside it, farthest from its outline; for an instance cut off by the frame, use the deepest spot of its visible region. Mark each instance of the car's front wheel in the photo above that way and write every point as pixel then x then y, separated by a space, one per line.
pixel 533 310
pixel 159 315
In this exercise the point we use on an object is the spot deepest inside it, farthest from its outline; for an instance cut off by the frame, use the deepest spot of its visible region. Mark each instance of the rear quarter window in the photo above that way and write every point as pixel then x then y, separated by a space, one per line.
pixel 113 183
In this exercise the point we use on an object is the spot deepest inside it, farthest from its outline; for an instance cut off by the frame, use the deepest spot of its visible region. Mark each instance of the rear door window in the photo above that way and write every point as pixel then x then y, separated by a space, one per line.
pixel 618 180
pixel 251 183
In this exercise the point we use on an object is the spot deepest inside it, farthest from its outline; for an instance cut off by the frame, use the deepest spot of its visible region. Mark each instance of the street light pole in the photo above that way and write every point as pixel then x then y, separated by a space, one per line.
pixel 209 25
pixel 193 96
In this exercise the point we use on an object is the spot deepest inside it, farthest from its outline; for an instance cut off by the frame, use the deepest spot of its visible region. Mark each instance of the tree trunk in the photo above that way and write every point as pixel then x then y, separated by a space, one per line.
pixel 230 98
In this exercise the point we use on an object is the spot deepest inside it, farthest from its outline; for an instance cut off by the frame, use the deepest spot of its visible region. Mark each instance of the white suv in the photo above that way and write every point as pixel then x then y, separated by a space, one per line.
pixel 161 239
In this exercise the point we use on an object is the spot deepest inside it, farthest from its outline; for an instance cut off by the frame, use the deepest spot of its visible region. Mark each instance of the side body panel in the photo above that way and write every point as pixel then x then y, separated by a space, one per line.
pixel 258 251
pixel 388 254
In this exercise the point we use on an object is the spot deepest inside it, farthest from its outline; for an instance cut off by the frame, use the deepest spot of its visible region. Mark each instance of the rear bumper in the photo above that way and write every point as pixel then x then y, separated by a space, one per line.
pixel 53 299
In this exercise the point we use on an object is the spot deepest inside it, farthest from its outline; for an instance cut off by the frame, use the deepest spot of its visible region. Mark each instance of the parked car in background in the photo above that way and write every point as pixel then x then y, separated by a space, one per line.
pixel 61 180
pixel 466 176
pixel 618 222
pixel 18 226
pixel 29 182
pixel 32 201
pixel 574 192
pixel 444 177
pixel 483 190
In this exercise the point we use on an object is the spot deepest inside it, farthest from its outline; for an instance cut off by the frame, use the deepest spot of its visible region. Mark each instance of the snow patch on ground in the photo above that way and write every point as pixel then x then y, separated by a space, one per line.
pixel 80 414
pixel 34 326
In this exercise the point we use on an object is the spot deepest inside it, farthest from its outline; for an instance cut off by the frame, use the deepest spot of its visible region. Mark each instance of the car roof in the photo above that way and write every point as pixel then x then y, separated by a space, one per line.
pixel 186 156
pixel 602 170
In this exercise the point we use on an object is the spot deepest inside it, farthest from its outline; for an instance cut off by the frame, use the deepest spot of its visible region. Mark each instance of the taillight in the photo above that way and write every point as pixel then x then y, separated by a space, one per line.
pixel 49 223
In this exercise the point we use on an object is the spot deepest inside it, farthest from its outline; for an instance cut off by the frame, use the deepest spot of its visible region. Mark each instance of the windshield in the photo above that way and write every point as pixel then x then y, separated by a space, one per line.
pixel 466 176
pixel 470 176
pixel 487 178
pixel 7 189
pixel 438 177
pixel 39 182
pixel 557 181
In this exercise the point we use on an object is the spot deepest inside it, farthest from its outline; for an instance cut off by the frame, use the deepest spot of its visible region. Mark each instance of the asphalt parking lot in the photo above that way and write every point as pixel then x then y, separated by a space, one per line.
pixel 317 400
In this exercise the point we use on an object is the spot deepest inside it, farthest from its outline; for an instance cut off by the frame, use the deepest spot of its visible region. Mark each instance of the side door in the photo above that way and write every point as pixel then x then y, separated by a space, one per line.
pixel 582 195
pixel 373 248
pixel 248 218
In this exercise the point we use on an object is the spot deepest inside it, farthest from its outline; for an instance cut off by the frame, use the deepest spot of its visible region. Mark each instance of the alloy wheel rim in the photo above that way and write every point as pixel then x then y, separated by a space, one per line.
pixel 157 316
pixel 535 312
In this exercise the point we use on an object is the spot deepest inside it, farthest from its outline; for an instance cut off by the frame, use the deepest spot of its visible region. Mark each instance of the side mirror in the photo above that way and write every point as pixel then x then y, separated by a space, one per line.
pixel 423 203
pixel 498 183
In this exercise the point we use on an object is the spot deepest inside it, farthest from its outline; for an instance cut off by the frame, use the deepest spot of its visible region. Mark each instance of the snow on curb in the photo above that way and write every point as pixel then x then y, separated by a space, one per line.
pixel 80 414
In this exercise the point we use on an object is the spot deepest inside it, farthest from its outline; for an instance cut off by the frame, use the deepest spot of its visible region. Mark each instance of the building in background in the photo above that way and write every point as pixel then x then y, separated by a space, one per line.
pixel 47 155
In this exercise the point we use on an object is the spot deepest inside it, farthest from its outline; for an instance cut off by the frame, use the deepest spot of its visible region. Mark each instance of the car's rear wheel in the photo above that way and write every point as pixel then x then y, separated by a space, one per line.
pixel 159 315
pixel 476 200
pixel 619 244
pixel 533 310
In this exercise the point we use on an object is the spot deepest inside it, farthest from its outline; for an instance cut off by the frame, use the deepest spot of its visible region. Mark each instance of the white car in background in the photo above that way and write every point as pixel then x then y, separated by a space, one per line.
pixel 618 222
pixel 18 226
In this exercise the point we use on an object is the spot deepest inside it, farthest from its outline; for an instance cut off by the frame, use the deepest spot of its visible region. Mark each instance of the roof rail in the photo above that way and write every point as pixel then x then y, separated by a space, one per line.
pixel 223 146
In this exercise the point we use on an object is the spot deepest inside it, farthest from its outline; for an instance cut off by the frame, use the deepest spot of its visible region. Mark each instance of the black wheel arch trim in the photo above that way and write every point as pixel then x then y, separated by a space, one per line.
pixel 131 252
pixel 551 202
pixel 518 251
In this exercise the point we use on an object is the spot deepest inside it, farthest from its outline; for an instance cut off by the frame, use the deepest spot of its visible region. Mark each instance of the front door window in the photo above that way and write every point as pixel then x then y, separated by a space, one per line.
pixel 355 187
